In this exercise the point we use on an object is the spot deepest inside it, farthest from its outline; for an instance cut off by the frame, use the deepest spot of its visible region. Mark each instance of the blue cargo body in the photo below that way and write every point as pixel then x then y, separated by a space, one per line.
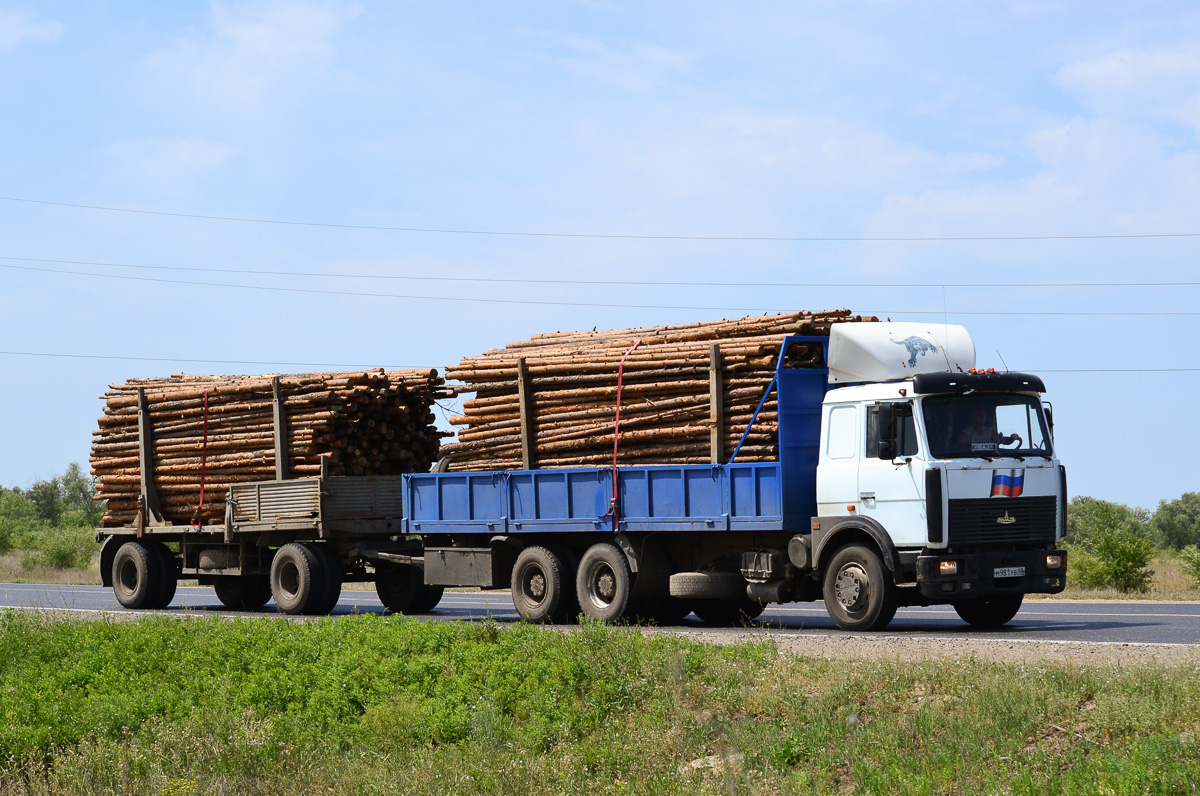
pixel 752 496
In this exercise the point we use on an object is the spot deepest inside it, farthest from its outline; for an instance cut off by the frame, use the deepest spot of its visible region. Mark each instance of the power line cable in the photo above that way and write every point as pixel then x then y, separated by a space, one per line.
pixel 589 304
pixel 618 283
pixel 341 365
pixel 610 236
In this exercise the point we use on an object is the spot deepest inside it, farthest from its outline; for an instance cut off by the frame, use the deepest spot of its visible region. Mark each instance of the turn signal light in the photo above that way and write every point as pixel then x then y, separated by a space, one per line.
pixel 1053 562
pixel 947 567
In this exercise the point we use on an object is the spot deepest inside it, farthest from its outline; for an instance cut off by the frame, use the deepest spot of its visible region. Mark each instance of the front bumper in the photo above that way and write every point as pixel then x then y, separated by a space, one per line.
pixel 976 574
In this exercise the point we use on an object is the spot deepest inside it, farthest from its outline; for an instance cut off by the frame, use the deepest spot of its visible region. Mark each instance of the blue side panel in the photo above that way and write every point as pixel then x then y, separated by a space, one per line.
pixel 741 496
pixel 800 394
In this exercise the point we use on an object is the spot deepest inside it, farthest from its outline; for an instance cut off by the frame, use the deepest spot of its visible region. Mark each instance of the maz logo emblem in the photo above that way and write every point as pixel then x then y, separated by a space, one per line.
pixel 1006 520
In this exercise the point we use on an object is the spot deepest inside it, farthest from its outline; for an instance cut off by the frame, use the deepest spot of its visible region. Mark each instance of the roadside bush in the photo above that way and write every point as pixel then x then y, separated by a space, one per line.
pixel 59 548
pixel 1190 558
pixel 1176 523
pixel 1110 545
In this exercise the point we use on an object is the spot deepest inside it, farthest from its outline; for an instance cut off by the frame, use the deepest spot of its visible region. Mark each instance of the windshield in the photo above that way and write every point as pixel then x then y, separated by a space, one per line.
pixel 985 425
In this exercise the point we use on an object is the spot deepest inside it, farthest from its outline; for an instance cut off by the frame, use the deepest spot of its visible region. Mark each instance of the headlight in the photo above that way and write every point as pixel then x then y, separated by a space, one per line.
pixel 947 567
pixel 1054 562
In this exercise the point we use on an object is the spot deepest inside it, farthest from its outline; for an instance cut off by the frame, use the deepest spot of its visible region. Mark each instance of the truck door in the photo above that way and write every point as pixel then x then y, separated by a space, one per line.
pixel 890 491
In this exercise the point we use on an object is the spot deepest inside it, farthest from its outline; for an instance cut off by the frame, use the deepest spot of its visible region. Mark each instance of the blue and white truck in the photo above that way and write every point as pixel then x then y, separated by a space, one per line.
pixel 905 476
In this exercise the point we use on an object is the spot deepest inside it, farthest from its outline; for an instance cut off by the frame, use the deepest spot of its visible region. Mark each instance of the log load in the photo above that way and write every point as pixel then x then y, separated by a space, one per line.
pixel 375 422
pixel 688 393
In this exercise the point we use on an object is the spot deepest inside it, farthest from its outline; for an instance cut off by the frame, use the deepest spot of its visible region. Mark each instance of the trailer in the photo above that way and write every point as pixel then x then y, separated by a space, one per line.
pixel 292 540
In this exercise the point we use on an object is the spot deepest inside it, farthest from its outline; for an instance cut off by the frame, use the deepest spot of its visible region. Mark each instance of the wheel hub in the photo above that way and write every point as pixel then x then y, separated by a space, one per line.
pixel 852 587
pixel 537 587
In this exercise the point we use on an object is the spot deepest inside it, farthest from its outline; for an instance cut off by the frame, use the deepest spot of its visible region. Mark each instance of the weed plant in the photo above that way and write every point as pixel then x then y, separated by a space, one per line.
pixel 388 705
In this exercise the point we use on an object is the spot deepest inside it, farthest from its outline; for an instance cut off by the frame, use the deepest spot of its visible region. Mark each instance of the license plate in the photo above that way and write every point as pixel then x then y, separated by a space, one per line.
pixel 1009 572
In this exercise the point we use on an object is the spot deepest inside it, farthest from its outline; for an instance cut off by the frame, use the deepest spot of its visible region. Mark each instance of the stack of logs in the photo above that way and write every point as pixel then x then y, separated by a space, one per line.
pixel 671 401
pixel 365 423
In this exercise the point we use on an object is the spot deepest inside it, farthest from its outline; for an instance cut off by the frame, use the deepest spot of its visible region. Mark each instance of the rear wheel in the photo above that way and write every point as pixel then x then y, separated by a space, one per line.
pixel 168 574
pixel 989 612
pixel 331 578
pixel 397 586
pixel 296 579
pixel 604 582
pixel 243 592
pixel 859 595
pixel 538 584
pixel 137 576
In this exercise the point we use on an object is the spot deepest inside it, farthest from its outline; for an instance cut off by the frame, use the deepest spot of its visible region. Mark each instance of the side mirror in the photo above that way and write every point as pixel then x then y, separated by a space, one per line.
pixel 1050 418
pixel 887 431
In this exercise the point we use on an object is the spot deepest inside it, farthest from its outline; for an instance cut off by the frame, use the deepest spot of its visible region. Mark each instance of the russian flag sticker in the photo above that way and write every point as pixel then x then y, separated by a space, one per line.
pixel 1008 483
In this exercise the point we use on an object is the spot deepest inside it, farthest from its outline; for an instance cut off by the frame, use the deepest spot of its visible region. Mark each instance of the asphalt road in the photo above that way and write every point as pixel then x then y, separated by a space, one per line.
pixel 1039 620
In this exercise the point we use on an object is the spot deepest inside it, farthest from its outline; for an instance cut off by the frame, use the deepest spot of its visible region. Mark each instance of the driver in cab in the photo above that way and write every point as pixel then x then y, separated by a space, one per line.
pixel 981 432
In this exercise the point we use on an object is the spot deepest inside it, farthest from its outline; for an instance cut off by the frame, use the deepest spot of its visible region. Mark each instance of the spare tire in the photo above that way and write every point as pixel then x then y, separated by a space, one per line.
pixel 708 585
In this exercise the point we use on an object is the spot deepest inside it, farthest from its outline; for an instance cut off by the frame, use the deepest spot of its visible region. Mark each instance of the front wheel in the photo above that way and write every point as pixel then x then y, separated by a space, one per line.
pixel 989 612
pixel 859 595
pixel 297 581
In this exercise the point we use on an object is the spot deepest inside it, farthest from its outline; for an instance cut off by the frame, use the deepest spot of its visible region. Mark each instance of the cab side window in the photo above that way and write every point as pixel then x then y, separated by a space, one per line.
pixel 906 430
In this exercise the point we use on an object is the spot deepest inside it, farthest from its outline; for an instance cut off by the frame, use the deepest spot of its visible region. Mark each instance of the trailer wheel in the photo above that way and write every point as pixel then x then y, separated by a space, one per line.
pixel 295 573
pixel 859 595
pixel 168 577
pixel 136 576
pixel 397 586
pixel 604 582
pixel 989 612
pixel 538 584
pixel 426 598
pixel 724 613
pixel 243 592
pixel 331 579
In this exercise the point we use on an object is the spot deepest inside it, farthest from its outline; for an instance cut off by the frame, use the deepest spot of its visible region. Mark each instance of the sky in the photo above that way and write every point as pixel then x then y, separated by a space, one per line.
pixel 1030 170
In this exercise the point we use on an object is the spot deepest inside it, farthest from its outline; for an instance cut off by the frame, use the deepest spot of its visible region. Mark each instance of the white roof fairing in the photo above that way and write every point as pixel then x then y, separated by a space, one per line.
pixel 874 352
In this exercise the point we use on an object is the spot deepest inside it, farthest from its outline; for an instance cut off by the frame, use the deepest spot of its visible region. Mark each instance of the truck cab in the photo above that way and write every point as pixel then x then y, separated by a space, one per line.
pixel 950 475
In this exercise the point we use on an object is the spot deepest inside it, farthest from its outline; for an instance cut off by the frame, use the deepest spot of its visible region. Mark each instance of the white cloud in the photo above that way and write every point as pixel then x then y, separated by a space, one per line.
pixel 17 28
pixel 255 56
pixel 1151 85
pixel 169 165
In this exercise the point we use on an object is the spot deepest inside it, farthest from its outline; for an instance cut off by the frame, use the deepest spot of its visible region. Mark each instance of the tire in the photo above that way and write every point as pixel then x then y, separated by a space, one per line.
pixel 426 598
pixel 397 586
pixel 168 575
pixel 859 595
pixel 724 613
pixel 331 578
pixel 989 612
pixel 243 592
pixel 708 585
pixel 604 582
pixel 296 579
pixel 136 576
pixel 538 584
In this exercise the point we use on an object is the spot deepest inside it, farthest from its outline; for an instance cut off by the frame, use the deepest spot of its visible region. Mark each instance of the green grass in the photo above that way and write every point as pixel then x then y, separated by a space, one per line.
pixel 387 705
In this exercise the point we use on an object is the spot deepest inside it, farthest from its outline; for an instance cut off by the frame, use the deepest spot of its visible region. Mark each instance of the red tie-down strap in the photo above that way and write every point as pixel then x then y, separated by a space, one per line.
pixel 612 507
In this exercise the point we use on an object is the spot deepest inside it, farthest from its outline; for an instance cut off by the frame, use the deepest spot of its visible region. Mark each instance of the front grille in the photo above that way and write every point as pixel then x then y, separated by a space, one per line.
pixel 974 520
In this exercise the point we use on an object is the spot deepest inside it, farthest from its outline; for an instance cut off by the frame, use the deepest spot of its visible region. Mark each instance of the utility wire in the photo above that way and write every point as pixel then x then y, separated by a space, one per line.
pixel 619 283
pixel 210 361
pixel 428 367
pixel 589 304
pixel 607 236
